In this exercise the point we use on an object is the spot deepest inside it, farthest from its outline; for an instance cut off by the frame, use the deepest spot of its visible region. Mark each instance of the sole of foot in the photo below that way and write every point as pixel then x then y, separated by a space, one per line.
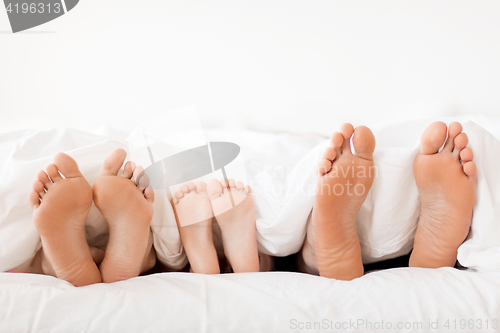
pixel 194 217
pixel 127 207
pixel 233 208
pixel 446 185
pixel 344 179
pixel 60 208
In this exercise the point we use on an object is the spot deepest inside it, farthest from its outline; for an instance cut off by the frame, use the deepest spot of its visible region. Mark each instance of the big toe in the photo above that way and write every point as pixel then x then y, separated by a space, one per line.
pixel 214 189
pixel 113 162
pixel 363 142
pixel 67 165
pixel 433 138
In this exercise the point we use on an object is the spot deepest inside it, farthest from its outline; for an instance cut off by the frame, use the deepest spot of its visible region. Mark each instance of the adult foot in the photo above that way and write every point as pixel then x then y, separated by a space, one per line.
pixel 127 207
pixel 194 218
pixel 60 208
pixel 344 180
pixel 446 185
pixel 237 223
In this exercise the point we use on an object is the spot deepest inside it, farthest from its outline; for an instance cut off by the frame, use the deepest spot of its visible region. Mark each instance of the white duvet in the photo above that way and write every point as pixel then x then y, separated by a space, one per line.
pixel 281 170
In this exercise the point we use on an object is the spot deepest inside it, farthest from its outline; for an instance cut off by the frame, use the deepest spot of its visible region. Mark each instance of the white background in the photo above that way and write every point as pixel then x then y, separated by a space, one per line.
pixel 266 65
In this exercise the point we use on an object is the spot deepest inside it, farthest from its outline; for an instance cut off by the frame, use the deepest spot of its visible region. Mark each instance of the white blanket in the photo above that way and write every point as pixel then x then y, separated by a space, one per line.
pixel 281 170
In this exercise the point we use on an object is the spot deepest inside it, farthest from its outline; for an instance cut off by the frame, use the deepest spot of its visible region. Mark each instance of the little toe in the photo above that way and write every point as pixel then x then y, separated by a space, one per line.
pixel 330 153
pixel 175 200
pixel 67 165
pixel 149 194
pixel 179 194
pixel 453 131
pixel 363 141
pixel 42 176
pixel 240 186
pixel 461 142
pixel 214 188
pixel 128 170
pixel 466 155
pixel 53 173
pixel 433 138
pixel 248 190
pixel 113 162
pixel 347 130
pixel 34 199
pixel 201 187
pixel 470 170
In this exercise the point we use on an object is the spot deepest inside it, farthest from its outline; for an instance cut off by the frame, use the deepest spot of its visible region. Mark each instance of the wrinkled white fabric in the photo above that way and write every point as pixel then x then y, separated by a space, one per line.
pixel 280 168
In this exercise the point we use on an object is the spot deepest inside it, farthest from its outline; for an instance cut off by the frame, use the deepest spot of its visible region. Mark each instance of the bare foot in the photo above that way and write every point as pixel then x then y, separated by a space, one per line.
pixel 237 224
pixel 446 185
pixel 128 209
pixel 194 218
pixel 60 208
pixel 344 180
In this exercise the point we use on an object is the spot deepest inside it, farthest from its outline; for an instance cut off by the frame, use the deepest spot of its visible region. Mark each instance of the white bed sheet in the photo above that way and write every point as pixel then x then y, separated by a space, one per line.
pixel 253 302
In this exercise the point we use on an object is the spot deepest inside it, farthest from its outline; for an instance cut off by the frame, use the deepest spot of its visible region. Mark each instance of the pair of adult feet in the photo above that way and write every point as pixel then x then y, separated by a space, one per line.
pixel 445 180
pixel 229 204
pixel 61 199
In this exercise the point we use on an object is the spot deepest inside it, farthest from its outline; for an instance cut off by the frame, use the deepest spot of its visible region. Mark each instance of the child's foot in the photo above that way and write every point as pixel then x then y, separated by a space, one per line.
pixel 128 209
pixel 344 180
pixel 194 218
pixel 237 224
pixel 60 208
pixel 445 182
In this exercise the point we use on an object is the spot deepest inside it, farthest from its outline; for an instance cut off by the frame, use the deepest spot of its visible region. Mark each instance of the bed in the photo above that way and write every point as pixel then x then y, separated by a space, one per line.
pixel 276 78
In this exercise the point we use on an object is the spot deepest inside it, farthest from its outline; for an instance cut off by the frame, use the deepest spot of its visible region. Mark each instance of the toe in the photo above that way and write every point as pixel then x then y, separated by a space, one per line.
pixel 337 141
pixel 240 186
pixel 330 153
pixel 39 188
pixel 113 162
pixel 232 183
pixel 346 130
pixel 175 200
pixel 53 173
pixel 453 131
pixel 191 186
pixel 470 170
pixel 201 187
pixel 185 189
pixel 466 155
pixel 143 181
pixel 248 190
pixel 214 188
pixel 433 138
pixel 128 170
pixel 363 142
pixel 42 176
pixel 179 194
pixel 461 142
pixel 34 199
pixel 67 165
pixel 324 167
pixel 224 183
pixel 149 194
